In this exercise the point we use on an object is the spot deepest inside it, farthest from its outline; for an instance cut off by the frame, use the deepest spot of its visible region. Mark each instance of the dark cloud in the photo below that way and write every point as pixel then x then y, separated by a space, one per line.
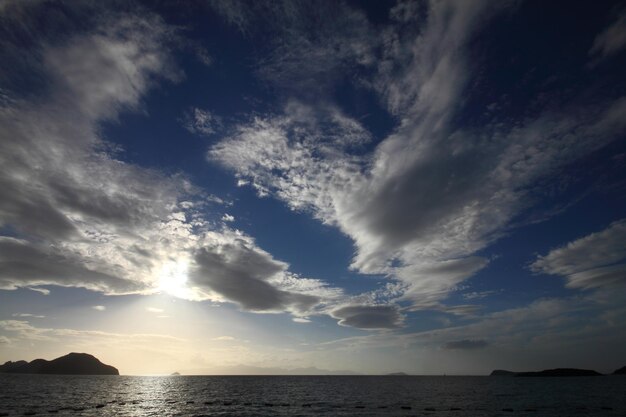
pixel 23 264
pixel 466 345
pixel 240 273
pixel 369 316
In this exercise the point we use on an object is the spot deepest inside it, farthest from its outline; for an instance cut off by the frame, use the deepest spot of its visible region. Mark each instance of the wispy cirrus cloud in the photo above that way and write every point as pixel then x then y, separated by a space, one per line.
pixel 337 37
pixel 26 315
pixel 431 194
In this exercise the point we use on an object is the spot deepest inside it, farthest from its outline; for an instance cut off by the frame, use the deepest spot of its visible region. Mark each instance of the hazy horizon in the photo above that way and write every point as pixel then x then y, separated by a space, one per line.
pixel 431 187
pixel 248 370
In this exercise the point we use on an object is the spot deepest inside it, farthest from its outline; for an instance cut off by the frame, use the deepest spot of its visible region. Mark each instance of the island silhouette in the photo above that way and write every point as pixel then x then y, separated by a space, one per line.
pixel 554 372
pixel 70 364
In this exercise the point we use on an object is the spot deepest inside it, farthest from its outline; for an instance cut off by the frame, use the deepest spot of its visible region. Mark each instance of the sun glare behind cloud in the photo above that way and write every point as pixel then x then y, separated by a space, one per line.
pixel 173 278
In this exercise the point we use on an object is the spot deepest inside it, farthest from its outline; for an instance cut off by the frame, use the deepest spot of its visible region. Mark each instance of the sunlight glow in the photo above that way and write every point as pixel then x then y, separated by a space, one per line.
pixel 173 278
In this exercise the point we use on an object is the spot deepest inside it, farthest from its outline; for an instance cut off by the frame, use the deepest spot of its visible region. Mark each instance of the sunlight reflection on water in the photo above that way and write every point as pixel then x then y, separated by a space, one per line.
pixel 310 396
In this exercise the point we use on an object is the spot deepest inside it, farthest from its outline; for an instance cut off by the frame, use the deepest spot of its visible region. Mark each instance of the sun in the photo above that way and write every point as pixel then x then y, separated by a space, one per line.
pixel 173 278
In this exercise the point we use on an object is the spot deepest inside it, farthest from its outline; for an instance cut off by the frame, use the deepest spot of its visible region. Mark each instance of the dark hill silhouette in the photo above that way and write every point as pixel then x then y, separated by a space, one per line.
pixel 12 366
pixel 561 372
pixel 548 372
pixel 501 372
pixel 71 364
pixel 620 371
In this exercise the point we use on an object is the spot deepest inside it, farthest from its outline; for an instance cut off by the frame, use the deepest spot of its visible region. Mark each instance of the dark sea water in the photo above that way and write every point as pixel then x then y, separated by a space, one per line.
pixel 311 396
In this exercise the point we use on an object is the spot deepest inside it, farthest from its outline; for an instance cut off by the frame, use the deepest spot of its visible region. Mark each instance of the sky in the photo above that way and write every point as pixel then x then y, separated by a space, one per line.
pixel 227 187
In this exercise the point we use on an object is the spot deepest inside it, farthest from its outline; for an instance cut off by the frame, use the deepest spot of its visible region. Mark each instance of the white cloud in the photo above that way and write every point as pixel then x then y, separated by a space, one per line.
pixel 228 218
pixel 43 291
pixel 201 122
pixel 84 218
pixel 301 320
pixel 99 308
pixel 35 316
pixel 594 261
pixel 430 195
pixel 474 295
pixel 369 317
pixel 224 338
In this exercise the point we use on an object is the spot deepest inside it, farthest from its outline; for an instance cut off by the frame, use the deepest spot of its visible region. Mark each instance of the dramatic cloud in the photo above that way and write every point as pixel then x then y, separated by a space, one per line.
pixel 233 267
pixel 81 217
pixel 369 316
pixel 431 194
pixel 466 345
pixel 594 261
pixel 420 200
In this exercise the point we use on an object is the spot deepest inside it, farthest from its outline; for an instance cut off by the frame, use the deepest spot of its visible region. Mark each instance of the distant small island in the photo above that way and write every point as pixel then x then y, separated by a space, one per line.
pixel 70 364
pixel 554 372
pixel 175 374
pixel 620 371
pixel 397 374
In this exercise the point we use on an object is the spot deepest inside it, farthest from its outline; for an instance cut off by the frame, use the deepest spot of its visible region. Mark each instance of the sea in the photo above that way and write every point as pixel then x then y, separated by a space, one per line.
pixel 444 396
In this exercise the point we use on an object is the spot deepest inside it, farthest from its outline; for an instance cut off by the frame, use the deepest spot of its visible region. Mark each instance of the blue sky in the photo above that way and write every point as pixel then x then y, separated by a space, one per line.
pixel 235 187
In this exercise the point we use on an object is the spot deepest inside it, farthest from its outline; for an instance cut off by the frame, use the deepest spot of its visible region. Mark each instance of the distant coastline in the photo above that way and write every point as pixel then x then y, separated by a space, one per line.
pixel 70 364
pixel 561 372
